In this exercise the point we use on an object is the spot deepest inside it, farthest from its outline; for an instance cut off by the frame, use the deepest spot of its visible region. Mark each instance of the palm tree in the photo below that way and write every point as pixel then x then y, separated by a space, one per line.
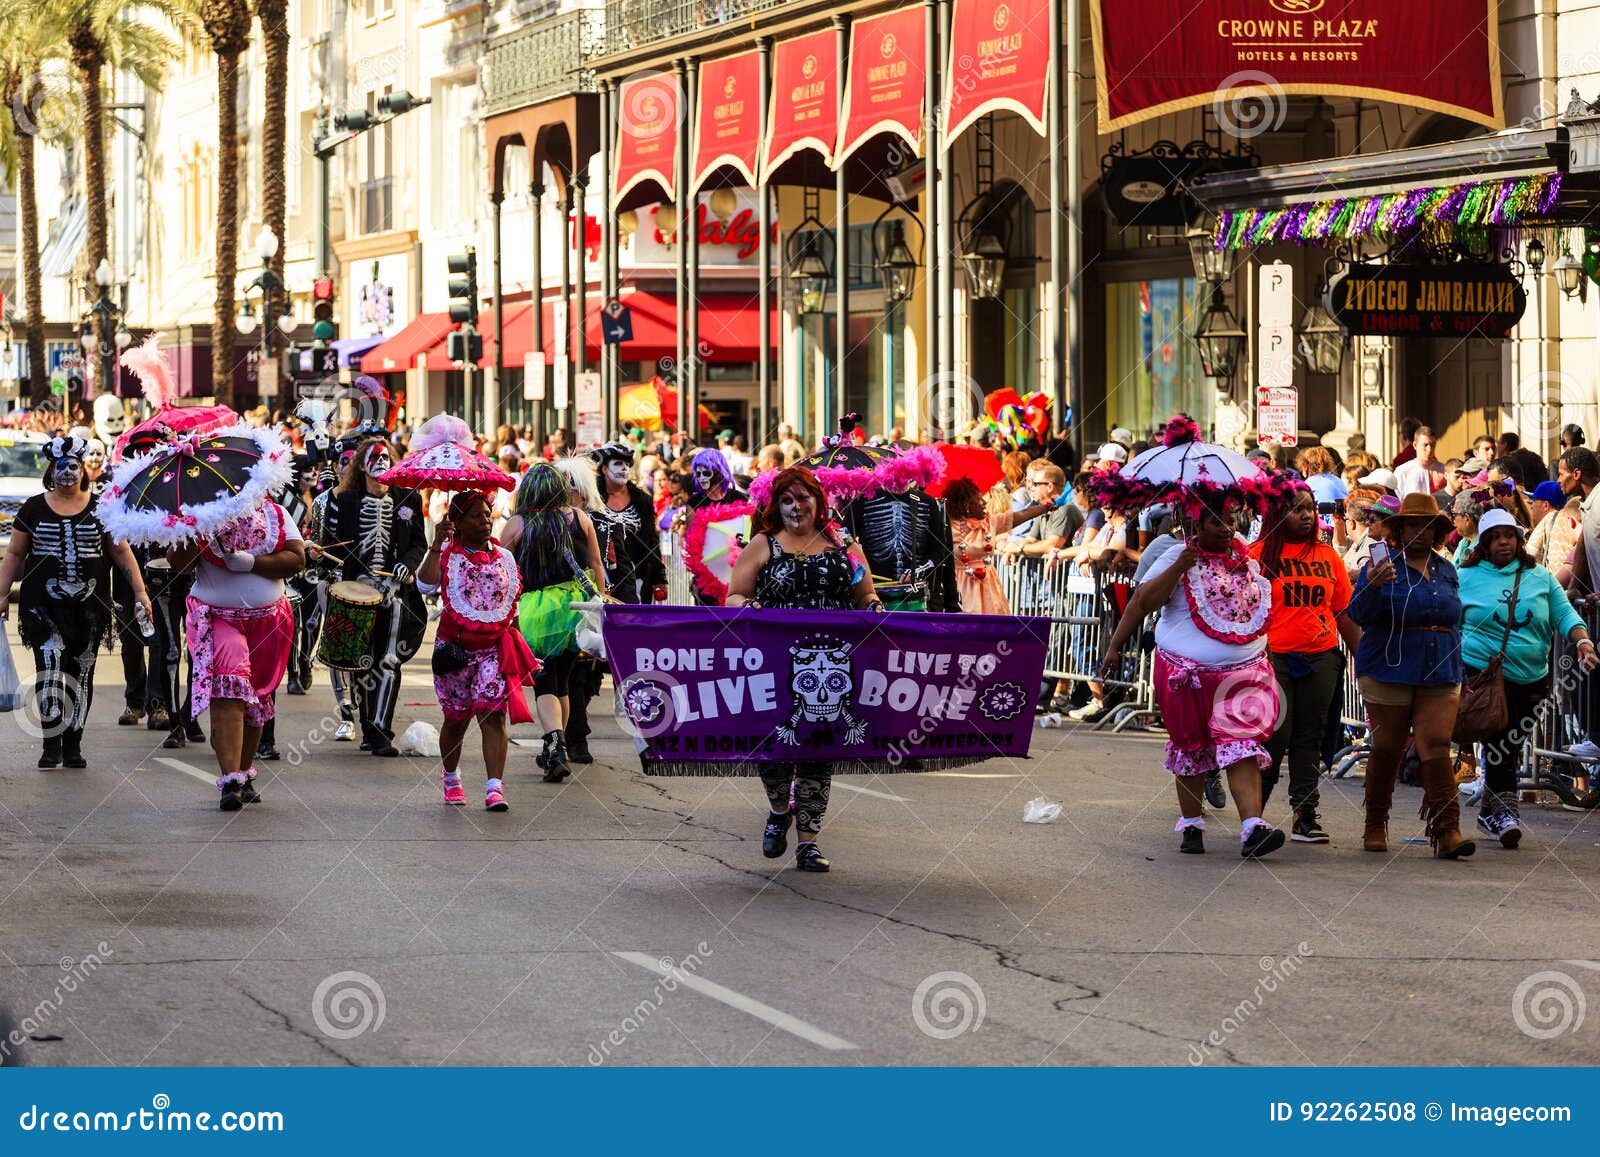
pixel 126 35
pixel 274 18
pixel 227 26
pixel 25 44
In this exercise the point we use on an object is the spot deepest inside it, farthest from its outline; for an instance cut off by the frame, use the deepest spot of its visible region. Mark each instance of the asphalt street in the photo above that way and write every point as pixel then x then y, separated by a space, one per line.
pixel 351 918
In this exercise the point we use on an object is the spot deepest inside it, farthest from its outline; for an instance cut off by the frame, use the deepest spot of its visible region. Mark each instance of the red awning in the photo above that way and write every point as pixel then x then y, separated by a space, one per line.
pixel 727 129
pixel 729 330
pixel 439 360
pixel 885 88
pixel 999 59
pixel 399 353
pixel 647 134
pixel 805 98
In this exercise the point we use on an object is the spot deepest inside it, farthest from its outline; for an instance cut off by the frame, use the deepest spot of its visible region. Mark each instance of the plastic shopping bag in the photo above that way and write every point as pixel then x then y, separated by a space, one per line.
pixel 10 685
pixel 420 739
pixel 588 637
pixel 1041 811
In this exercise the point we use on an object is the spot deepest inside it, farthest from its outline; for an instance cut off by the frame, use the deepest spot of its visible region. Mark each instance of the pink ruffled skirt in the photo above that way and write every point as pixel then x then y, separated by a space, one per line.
pixel 1215 716
pixel 239 654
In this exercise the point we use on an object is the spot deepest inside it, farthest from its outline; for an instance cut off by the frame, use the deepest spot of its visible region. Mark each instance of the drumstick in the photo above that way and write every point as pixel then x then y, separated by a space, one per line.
pixel 333 558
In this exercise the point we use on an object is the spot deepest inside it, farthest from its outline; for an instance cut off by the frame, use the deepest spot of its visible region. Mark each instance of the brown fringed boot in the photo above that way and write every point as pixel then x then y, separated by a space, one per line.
pixel 1441 810
pixel 1380 791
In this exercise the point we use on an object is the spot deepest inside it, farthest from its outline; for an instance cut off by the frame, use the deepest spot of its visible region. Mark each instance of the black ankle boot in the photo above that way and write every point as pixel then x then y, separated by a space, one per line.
pixel 248 792
pixel 231 800
pixel 775 840
pixel 72 749
pixel 578 751
pixel 809 858
pixel 51 756
pixel 556 767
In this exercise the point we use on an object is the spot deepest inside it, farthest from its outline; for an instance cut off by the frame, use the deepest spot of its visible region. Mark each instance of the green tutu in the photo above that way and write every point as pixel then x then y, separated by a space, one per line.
pixel 547 620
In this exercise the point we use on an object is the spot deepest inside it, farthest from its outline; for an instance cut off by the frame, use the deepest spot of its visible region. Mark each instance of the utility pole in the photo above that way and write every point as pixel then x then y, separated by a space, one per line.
pixel 347 126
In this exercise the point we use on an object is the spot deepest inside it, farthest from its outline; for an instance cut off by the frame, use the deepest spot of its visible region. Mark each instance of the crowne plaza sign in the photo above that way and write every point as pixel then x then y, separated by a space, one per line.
pixel 1476 300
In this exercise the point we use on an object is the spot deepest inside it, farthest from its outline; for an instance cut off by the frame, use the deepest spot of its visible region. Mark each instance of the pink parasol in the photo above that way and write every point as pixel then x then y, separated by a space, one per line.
pixel 442 458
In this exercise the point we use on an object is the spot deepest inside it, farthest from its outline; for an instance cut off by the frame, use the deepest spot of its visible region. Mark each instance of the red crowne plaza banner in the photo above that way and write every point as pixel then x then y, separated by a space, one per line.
pixel 885 88
pixel 727 127
pixel 723 690
pixel 805 98
pixel 647 133
pixel 1160 56
pixel 999 59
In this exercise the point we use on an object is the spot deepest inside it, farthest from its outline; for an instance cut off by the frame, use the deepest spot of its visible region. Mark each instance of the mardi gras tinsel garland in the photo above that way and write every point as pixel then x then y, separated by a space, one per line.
pixel 1474 205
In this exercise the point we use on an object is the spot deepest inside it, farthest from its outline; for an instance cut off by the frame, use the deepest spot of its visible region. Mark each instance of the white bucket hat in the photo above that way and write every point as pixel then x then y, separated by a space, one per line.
pixel 1491 519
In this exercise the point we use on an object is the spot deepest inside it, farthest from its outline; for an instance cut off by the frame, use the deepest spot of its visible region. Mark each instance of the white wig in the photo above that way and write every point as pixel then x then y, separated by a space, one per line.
pixel 578 470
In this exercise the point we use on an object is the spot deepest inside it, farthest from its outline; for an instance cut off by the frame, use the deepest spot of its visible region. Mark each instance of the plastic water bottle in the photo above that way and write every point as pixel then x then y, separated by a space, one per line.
pixel 146 627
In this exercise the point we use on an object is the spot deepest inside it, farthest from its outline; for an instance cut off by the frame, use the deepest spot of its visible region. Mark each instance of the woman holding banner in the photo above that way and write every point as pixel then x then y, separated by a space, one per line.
pixel 796 560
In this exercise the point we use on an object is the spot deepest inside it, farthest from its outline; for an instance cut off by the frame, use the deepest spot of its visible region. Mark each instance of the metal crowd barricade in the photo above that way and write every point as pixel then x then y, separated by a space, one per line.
pixel 1083 611
pixel 1564 718
pixel 1353 717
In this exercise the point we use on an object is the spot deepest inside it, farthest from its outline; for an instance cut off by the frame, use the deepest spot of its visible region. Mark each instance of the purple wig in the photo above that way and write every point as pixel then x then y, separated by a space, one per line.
pixel 713 461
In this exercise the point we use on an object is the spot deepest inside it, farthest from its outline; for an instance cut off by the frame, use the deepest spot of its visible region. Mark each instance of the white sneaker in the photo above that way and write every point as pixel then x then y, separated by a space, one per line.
pixel 1093 707
pixel 1588 750
pixel 344 732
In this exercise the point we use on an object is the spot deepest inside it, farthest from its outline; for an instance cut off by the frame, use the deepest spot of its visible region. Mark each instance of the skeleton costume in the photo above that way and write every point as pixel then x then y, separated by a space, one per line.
pixel 630 548
pixel 316 579
pixel 66 604
pixel 906 538
pixel 385 541
pixel 822 581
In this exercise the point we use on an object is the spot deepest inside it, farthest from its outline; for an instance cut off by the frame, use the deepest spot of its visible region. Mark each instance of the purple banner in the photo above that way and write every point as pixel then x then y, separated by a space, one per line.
pixel 720 691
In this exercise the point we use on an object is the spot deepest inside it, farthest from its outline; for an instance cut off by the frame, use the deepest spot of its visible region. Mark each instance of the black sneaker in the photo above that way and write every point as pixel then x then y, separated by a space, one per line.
pixel 1215 796
pixel 774 839
pixel 1306 828
pixel 51 756
pixel 193 733
pixel 1501 825
pixel 231 800
pixel 1262 841
pixel 174 739
pixel 248 792
pixel 1193 842
pixel 578 752
pixel 158 720
pixel 809 858
pixel 267 752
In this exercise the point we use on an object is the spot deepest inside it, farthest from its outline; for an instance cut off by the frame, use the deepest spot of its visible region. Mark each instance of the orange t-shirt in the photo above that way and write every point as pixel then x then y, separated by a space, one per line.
pixel 1311 588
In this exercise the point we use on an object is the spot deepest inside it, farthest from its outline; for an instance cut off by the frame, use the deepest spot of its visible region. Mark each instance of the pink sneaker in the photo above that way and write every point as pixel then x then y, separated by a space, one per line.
pixel 495 802
pixel 452 792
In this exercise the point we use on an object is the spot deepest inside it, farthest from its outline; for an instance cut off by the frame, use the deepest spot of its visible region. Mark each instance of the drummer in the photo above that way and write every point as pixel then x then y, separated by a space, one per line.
pixel 382 539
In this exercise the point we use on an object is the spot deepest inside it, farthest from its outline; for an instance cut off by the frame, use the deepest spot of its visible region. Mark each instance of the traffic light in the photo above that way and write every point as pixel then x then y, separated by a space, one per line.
pixel 460 346
pixel 322 309
pixel 356 120
pixel 392 104
pixel 464 286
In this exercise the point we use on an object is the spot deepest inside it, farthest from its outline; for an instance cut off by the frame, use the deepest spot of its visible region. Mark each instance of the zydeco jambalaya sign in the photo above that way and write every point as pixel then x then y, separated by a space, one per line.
pixel 719 691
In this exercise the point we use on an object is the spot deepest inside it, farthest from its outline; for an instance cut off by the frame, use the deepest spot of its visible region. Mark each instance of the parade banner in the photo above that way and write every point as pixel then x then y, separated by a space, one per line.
pixel 647 133
pixel 1246 56
pixel 999 59
pixel 884 91
pixel 727 117
pixel 722 691
pixel 805 98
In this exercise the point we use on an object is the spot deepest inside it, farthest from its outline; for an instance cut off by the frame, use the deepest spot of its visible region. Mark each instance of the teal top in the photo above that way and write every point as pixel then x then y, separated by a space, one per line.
pixel 1463 548
pixel 1542 609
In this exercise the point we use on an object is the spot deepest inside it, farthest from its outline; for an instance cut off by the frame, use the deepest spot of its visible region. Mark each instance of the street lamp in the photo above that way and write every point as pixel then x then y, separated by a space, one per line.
pixel 106 321
pixel 897 265
pixel 268 283
pixel 807 261
pixel 1535 256
pixel 1220 339
pixel 1210 263
pixel 1569 273
pixel 1321 339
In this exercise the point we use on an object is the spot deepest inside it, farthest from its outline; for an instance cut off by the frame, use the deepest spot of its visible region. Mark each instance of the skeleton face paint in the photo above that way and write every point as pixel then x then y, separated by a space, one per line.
pixel 67 474
pixel 704 478
pixel 796 510
pixel 377 460
pixel 617 473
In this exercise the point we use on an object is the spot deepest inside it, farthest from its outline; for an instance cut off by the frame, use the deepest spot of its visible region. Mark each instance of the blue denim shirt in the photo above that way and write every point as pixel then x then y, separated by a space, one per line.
pixel 1392 654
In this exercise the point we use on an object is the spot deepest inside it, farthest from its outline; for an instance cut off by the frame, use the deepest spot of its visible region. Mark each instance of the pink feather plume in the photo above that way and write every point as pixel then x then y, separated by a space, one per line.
pixel 149 364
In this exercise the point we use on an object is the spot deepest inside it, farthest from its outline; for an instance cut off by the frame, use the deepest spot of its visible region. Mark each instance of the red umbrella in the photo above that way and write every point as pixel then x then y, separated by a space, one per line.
pixel 976 463
pixel 442 458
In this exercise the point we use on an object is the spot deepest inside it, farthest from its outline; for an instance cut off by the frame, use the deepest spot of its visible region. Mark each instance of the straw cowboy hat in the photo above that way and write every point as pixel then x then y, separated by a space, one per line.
pixel 1416 507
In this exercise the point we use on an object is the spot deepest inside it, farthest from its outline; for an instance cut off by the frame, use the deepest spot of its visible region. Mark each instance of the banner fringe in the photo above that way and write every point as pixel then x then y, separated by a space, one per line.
pixel 730 769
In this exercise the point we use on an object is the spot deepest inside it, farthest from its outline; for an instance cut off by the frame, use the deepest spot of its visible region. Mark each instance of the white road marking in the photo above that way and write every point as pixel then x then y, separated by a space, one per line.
pixel 737 1000
pixel 974 774
pixel 1592 965
pixel 188 769
pixel 869 791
